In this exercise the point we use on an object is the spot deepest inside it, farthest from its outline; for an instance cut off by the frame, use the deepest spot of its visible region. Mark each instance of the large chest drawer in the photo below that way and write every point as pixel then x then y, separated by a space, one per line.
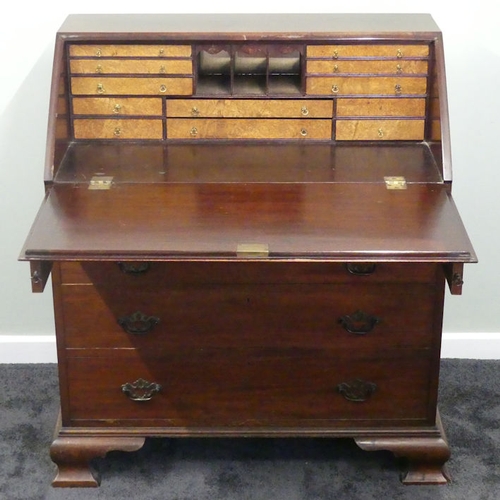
pixel 249 389
pixel 235 316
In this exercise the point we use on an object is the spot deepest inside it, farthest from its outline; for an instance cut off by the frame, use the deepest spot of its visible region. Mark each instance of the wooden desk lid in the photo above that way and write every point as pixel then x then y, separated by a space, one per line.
pixel 332 221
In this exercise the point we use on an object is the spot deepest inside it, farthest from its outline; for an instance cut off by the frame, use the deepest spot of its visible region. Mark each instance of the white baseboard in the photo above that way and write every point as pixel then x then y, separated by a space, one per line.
pixel 42 348
pixel 28 349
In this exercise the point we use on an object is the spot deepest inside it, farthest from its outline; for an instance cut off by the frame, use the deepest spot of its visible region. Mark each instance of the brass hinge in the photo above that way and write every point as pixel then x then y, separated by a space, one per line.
pixel 100 182
pixel 395 182
pixel 252 250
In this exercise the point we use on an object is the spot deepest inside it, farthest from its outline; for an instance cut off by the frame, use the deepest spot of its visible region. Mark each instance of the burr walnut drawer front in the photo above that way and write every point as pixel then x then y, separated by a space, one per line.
pixel 126 50
pixel 366 85
pixel 375 67
pixel 379 130
pixel 248 388
pixel 118 128
pixel 239 316
pixel 83 85
pixel 245 108
pixel 146 106
pixel 131 66
pixel 251 128
pixel 393 51
pixel 388 106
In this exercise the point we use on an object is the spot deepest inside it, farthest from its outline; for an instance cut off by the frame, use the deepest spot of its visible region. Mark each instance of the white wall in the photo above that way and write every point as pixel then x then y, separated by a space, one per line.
pixel 472 321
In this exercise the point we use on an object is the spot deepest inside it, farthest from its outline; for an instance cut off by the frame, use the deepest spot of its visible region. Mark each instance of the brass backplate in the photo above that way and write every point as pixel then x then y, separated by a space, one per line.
pixel 100 182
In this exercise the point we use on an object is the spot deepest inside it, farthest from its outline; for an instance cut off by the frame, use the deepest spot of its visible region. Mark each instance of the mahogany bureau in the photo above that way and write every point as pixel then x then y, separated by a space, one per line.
pixel 249 226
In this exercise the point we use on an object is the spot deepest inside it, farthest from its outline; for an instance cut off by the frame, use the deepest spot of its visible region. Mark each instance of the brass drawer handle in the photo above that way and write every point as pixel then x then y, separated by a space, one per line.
pixel 98 69
pixel 359 323
pixel 134 268
pixel 100 88
pixel 193 132
pixel 117 132
pixel 163 88
pixel 141 390
pixel 162 69
pixel 98 53
pixel 303 132
pixel 195 111
pixel 357 390
pixel 398 89
pixel 399 68
pixel 335 54
pixel 380 133
pixel 161 51
pixel 138 323
pixel 335 89
pixel 117 108
pixel 361 268
pixel 304 111
pixel 336 68
pixel 399 53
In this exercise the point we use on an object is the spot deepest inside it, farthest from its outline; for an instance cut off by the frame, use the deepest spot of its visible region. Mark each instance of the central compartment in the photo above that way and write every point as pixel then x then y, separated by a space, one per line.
pixel 253 70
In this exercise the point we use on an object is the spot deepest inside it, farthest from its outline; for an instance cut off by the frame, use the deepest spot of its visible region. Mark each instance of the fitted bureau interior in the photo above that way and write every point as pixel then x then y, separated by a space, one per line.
pixel 163 103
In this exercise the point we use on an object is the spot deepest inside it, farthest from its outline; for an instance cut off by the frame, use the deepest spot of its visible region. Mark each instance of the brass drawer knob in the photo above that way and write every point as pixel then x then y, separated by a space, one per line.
pixel 193 132
pixel 141 390
pixel 117 132
pixel 98 53
pixel 335 54
pixel 138 323
pixel 359 323
pixel 398 89
pixel 399 68
pixel 161 51
pixel 336 68
pixel 117 108
pixel 98 69
pixel 335 89
pixel 163 88
pixel 380 133
pixel 303 132
pixel 195 111
pixel 162 69
pixel 100 88
pixel 304 111
pixel 399 53
pixel 357 390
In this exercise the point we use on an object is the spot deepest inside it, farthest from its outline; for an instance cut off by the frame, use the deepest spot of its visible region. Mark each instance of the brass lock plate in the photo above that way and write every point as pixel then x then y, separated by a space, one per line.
pixel 395 182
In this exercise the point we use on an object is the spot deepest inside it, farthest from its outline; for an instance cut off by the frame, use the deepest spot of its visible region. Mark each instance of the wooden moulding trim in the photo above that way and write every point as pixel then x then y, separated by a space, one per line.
pixel 428 432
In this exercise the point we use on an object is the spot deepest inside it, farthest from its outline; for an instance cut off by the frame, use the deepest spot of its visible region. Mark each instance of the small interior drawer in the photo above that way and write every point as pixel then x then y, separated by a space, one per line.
pixel 117 129
pixel 126 50
pixel 397 51
pixel 379 130
pixel 390 106
pixel 146 106
pixel 131 66
pixel 360 85
pixel 245 108
pixel 81 85
pixel 252 128
pixel 404 67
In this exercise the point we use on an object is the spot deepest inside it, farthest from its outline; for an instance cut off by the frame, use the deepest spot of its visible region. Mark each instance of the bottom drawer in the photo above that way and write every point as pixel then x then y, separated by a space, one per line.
pixel 249 388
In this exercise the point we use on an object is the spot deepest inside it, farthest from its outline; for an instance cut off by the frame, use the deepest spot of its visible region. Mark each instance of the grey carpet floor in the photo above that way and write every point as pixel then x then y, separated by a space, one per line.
pixel 256 469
